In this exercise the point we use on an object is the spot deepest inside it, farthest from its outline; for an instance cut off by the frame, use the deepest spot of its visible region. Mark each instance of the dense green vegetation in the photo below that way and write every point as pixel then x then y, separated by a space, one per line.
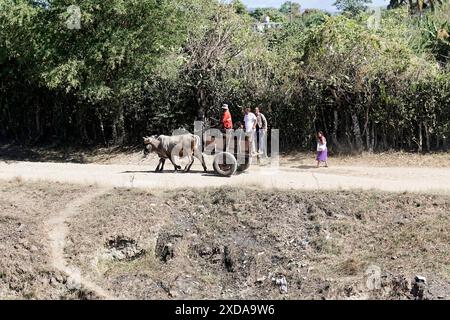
pixel 137 67
pixel 352 7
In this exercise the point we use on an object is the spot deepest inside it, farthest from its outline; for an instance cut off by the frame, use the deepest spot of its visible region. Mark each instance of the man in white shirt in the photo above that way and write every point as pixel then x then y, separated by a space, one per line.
pixel 250 127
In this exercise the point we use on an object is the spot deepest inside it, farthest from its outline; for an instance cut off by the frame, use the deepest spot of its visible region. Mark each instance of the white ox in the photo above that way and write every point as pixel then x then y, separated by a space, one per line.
pixel 167 147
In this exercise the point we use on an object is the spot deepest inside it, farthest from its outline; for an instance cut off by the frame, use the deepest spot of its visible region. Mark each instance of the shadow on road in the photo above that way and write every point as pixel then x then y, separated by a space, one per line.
pixel 304 167
pixel 19 153
pixel 142 172
pixel 82 155
pixel 171 171
pixel 197 172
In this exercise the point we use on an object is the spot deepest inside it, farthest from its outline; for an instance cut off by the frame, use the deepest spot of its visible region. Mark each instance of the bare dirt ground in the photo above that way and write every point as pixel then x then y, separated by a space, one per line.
pixel 26 268
pixel 220 243
pixel 57 231
pixel 103 225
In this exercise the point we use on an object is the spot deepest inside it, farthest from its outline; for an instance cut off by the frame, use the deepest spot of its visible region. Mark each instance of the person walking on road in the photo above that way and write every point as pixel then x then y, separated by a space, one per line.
pixel 322 151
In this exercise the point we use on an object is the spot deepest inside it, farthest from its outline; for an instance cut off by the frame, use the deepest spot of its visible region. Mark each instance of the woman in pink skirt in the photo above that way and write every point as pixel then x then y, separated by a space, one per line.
pixel 322 151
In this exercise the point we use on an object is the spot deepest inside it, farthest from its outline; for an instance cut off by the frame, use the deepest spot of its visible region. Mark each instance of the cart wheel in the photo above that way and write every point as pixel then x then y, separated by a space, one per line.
pixel 225 164
pixel 243 167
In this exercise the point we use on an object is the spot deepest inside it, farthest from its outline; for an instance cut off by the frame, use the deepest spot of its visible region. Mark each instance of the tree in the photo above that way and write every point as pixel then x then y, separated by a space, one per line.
pixel 275 15
pixel 352 7
pixel 418 5
pixel 105 61
pixel 393 4
pixel 209 57
pixel 239 6
pixel 313 17
pixel 435 33
pixel 148 67
pixel 290 9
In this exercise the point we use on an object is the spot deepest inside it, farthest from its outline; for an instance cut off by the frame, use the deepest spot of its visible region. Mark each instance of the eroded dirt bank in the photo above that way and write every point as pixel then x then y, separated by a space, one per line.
pixel 225 243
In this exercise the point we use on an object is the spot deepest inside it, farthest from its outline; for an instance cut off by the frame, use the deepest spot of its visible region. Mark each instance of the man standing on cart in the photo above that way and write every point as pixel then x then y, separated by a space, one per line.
pixel 226 125
pixel 227 121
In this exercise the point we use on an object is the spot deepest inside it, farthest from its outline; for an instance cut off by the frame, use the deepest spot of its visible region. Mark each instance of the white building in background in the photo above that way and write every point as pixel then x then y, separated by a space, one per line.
pixel 266 25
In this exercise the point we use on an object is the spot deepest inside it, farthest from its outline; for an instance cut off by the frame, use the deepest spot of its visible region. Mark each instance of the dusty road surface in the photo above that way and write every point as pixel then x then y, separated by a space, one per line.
pixel 394 179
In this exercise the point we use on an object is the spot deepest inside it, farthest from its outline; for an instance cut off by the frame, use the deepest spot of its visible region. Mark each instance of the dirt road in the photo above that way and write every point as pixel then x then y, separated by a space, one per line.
pixel 302 178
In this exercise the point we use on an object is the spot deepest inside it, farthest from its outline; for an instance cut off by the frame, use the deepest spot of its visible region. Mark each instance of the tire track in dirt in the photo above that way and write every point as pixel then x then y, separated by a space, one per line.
pixel 58 230
pixel 317 181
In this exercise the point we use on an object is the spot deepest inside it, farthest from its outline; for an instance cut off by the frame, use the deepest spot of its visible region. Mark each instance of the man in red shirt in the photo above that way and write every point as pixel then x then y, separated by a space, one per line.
pixel 227 122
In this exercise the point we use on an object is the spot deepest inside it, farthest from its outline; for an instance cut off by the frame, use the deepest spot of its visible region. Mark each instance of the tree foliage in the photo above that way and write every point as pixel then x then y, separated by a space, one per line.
pixel 291 9
pixel 142 67
pixel 352 7
pixel 274 14
pixel 239 7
